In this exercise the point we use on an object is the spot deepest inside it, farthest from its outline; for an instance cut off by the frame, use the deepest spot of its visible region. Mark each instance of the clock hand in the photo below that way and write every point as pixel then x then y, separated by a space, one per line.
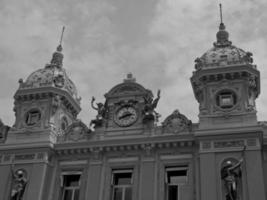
pixel 126 115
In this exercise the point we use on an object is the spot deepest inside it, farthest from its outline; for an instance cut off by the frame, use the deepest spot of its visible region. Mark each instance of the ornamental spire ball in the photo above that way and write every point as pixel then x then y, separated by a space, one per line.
pixel 57 59
pixel 222 35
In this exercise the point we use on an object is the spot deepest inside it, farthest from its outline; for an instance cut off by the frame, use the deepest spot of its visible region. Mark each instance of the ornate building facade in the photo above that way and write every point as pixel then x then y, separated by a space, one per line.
pixel 124 155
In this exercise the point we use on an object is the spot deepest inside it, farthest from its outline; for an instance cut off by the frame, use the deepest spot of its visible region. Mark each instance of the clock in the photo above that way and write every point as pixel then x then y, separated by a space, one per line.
pixel 125 116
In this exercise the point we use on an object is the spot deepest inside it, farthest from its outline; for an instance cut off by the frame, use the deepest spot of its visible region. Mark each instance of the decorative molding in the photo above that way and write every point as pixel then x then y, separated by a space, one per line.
pixel 229 145
pixel 226 144
pixel 176 156
pixel 24 158
pixel 123 159
pixel 74 162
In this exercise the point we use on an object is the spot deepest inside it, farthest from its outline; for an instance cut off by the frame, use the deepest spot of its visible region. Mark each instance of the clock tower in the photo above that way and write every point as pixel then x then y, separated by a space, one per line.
pixel 129 108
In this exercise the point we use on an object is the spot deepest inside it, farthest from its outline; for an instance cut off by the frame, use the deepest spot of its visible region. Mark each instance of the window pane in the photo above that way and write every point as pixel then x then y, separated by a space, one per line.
pixel 67 195
pixel 117 194
pixel 128 193
pixel 71 180
pixel 122 178
pixel 76 195
pixel 172 192
pixel 178 176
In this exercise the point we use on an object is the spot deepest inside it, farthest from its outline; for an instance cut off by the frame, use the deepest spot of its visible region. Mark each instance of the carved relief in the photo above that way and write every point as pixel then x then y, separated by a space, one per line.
pixel 226 144
pixel 77 131
pixel 59 80
pixel 252 93
pixel 176 123
pixel 56 102
pixel 198 63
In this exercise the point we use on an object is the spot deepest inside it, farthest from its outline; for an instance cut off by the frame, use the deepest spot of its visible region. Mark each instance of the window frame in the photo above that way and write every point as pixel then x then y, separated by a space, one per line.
pixel 178 185
pixel 123 186
pixel 69 188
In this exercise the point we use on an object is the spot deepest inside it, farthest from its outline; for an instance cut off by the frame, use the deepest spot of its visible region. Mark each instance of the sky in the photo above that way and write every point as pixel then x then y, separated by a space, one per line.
pixel 156 40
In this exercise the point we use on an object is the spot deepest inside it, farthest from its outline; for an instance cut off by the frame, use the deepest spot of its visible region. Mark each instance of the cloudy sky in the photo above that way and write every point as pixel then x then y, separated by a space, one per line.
pixel 156 40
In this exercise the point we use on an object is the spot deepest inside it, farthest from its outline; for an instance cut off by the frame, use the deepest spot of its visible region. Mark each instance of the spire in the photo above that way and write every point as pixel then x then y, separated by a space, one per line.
pixel 57 58
pixel 222 35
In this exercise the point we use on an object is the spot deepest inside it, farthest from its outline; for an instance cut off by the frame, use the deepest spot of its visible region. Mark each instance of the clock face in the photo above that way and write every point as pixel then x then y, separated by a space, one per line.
pixel 125 116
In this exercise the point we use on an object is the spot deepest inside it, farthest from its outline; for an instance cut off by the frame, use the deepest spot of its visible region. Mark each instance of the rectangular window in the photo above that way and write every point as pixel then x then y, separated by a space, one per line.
pixel 71 186
pixel 226 100
pixel 174 177
pixel 122 184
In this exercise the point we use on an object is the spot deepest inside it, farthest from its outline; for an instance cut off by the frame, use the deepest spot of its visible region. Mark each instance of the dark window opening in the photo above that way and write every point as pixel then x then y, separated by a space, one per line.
pixel 33 117
pixel 71 187
pixel 226 99
pixel 175 177
pixel 122 184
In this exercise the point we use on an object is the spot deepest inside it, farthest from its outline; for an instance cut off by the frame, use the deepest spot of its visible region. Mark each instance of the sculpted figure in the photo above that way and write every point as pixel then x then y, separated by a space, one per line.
pixel 230 174
pixel 19 182
pixel 101 112
pixel 150 105
pixel 3 129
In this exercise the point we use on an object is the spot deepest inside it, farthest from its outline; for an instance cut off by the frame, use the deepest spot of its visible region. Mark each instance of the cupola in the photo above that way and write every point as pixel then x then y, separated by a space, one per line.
pixel 226 84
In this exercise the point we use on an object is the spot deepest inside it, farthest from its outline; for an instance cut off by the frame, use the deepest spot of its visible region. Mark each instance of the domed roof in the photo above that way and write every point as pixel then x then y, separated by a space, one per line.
pixel 52 75
pixel 223 53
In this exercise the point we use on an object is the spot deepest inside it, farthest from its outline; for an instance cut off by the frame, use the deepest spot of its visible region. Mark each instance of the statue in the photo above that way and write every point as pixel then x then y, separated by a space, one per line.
pixel 149 108
pixel 248 57
pixel 3 130
pixel 101 112
pixel 19 182
pixel 231 174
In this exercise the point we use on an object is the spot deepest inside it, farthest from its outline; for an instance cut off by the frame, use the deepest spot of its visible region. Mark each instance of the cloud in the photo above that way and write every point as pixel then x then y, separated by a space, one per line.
pixel 156 40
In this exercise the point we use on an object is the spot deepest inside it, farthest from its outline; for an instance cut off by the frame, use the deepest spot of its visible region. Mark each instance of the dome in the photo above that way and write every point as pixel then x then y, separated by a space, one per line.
pixel 52 75
pixel 223 53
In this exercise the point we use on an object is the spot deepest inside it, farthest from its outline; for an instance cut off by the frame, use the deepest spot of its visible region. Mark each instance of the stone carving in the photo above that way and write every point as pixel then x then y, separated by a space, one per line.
pixel 56 102
pixel 77 131
pixel 3 130
pixel 198 63
pixel 248 57
pixel 19 182
pixel 102 112
pixel 252 93
pixel 59 79
pixel 231 176
pixel 176 123
pixel 149 109
pixel 227 144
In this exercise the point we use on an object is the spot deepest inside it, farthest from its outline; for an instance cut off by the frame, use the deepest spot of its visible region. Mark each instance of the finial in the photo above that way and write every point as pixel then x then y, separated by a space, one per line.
pixel 222 35
pixel 62 33
pixel 57 58
pixel 129 78
pixel 221 13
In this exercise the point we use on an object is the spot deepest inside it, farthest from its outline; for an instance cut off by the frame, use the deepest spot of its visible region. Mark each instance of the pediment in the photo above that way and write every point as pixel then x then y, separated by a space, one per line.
pixel 77 131
pixel 127 88
pixel 176 123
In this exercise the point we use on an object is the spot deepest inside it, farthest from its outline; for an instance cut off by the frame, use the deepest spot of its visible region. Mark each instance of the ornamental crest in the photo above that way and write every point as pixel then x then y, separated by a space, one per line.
pixel 176 123
pixel 77 131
